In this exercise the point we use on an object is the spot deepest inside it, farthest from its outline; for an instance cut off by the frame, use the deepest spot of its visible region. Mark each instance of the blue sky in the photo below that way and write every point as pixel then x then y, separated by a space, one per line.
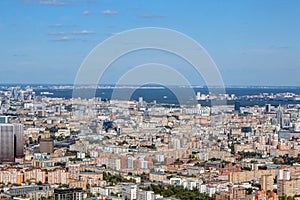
pixel 252 42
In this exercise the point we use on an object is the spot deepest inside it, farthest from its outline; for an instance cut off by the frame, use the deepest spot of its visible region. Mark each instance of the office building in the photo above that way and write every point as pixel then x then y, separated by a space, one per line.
pixel 19 140
pixel 279 116
pixel 11 142
pixel 7 143
pixel 46 145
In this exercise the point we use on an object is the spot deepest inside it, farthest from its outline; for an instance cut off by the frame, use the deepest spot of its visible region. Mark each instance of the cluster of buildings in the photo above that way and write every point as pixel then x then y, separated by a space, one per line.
pixel 57 148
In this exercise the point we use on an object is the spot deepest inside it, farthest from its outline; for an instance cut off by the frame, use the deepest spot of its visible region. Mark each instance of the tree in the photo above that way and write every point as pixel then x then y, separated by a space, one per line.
pixel 64 186
pixel 178 192
pixel 290 198
pixel 249 191
pixel 89 195
pixel 30 140
pixel 113 194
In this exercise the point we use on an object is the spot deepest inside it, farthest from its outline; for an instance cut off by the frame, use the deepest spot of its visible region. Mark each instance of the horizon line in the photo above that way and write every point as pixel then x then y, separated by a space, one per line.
pixel 148 85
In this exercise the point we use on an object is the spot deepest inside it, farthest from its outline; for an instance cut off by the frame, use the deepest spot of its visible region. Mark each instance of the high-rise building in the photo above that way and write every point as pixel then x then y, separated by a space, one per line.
pixel 279 116
pixel 288 187
pixel 7 143
pixel 58 176
pixel 19 140
pixel 46 145
pixel 237 106
pixel 267 182
pixel 267 108
pixel 74 170
pixel 11 142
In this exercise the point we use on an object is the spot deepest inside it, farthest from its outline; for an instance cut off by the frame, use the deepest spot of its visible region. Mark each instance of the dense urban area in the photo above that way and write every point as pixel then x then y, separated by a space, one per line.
pixel 72 148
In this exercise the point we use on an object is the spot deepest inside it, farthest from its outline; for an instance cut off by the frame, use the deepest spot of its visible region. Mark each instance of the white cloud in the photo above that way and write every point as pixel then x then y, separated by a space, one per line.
pixel 57 33
pixel 55 25
pixel 62 39
pixel 109 12
pixel 53 3
pixel 86 13
pixel 84 32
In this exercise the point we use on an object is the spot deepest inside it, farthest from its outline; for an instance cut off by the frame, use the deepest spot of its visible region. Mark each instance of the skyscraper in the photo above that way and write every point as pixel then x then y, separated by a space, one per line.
pixel 7 143
pixel 11 142
pixel 279 116
pixel 19 140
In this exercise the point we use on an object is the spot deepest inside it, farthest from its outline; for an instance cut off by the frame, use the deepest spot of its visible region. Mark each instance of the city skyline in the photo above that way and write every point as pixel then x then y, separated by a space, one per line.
pixel 149 100
pixel 251 42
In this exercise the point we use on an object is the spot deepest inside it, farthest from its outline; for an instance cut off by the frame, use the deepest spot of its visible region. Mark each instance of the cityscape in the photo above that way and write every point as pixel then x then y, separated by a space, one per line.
pixel 133 149
pixel 119 100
